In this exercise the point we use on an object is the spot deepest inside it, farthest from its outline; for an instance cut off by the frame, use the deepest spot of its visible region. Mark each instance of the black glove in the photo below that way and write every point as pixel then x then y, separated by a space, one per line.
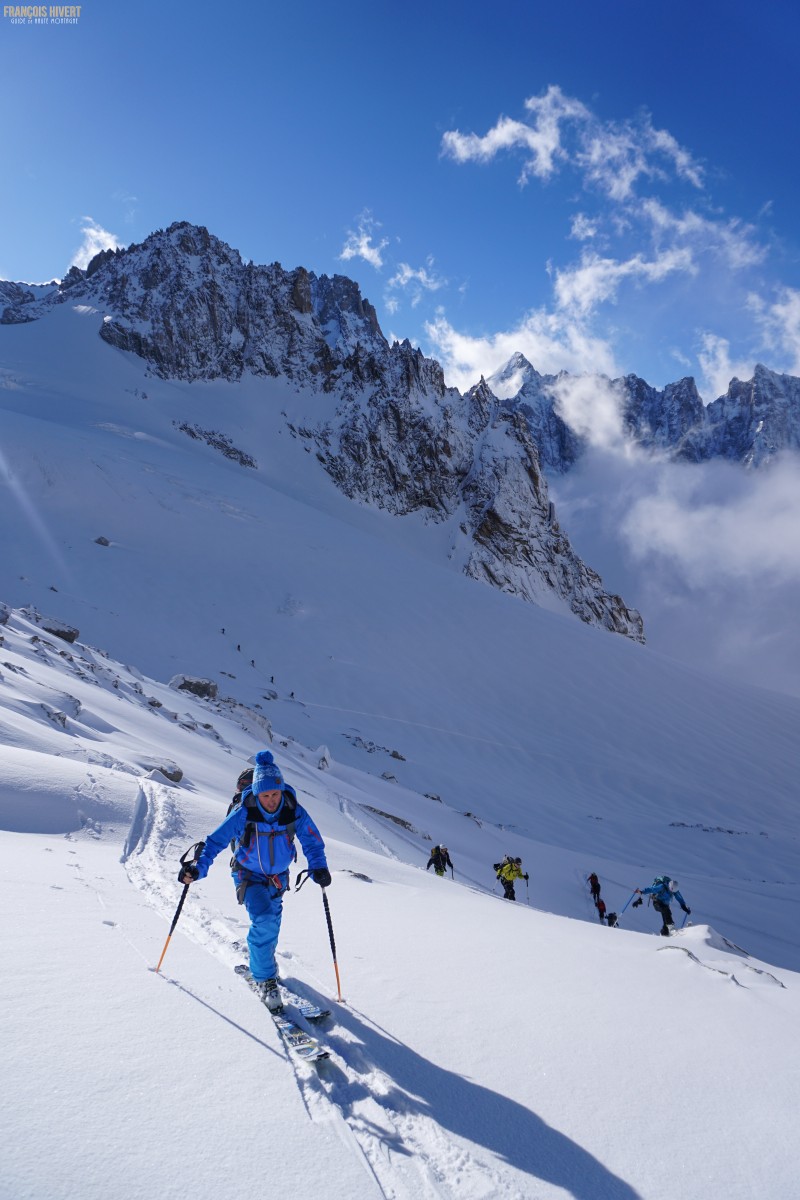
pixel 637 902
pixel 686 910
pixel 525 877
pixel 322 876
pixel 188 869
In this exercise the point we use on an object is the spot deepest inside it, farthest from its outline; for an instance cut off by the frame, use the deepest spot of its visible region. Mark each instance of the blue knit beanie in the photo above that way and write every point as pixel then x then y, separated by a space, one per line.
pixel 267 774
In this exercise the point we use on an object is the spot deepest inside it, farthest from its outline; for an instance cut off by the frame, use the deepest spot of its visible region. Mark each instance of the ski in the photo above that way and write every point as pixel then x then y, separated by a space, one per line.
pixel 308 1010
pixel 297 1040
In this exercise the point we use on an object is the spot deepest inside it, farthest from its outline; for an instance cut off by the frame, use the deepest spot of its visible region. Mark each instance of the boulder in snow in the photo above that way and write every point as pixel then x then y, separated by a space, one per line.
pixel 59 629
pixel 205 688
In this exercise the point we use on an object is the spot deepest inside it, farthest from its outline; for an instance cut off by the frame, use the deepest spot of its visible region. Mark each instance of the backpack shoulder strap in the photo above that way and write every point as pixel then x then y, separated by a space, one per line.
pixel 290 811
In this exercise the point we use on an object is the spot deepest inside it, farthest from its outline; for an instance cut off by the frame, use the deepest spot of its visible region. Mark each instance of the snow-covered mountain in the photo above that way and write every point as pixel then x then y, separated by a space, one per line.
pixel 392 435
pixel 752 423
pixel 158 529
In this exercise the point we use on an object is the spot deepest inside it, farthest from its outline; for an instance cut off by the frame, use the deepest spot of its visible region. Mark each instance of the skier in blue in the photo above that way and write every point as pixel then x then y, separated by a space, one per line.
pixel 262 830
pixel 663 890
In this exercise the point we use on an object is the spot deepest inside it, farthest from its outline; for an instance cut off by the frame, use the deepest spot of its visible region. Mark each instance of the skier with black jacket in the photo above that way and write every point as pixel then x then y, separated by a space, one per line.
pixel 439 860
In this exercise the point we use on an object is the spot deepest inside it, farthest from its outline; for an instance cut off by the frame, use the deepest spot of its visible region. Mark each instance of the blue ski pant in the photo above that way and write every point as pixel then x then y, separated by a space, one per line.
pixel 264 904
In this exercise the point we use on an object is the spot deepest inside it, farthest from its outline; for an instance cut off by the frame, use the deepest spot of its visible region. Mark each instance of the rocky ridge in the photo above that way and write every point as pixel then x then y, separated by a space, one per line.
pixel 752 423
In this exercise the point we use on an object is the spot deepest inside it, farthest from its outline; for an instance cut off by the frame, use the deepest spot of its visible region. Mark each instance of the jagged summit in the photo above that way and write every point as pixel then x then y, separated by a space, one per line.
pixel 755 419
pixel 186 302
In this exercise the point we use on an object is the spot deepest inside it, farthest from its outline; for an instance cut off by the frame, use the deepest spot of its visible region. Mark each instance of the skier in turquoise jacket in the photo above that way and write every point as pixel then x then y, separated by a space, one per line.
pixel 262 830
pixel 664 890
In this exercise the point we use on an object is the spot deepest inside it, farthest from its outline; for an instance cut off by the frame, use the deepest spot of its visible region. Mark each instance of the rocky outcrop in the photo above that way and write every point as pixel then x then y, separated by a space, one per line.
pixel 206 689
pixel 470 461
pixel 60 629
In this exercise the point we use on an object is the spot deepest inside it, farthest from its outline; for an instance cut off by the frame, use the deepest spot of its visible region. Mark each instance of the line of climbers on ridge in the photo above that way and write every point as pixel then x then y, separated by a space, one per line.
pixel 260 826
pixel 663 890
pixel 507 871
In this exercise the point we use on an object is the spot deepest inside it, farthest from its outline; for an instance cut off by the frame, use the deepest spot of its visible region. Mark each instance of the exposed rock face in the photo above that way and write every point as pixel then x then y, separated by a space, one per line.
pixel 752 422
pixel 660 419
pixel 396 436
pixel 59 629
pixel 205 688
pixel 472 461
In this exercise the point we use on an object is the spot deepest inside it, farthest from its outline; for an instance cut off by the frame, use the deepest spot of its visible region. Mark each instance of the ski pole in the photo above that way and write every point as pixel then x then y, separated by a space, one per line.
pixel 633 893
pixel 527 894
pixel 196 850
pixel 333 944
pixel 685 919
pixel 298 883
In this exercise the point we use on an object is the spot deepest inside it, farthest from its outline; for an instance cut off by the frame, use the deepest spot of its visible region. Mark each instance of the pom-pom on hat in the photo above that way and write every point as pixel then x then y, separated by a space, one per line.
pixel 267 774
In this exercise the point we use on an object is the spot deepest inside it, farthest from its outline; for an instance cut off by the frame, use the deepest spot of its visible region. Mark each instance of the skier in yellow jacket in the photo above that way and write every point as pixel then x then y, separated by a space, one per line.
pixel 507 871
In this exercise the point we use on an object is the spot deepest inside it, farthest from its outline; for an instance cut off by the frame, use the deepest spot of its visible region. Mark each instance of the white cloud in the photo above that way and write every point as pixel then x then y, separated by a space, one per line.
pixel 583 228
pixel 549 341
pixel 591 407
pixel 708 553
pixel 359 242
pixel 594 280
pixel 541 139
pixel 732 240
pixel 780 324
pixel 417 281
pixel 718 525
pixel 95 239
pixel 718 367
pixel 612 155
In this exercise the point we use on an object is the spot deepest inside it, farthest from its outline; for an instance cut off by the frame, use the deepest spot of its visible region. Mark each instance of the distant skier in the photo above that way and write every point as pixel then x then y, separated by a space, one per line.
pixel 439 860
pixel 263 828
pixel 663 890
pixel 507 872
pixel 594 886
pixel 612 920
pixel 600 905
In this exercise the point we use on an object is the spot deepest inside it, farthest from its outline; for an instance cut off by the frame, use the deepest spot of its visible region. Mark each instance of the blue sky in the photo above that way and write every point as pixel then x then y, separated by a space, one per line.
pixel 603 186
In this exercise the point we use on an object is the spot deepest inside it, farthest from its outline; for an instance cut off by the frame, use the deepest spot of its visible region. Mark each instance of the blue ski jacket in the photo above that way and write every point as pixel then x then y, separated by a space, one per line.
pixel 271 851
pixel 660 891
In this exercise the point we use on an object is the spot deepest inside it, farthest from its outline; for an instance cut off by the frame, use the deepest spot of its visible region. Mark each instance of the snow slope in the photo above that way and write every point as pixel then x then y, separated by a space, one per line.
pixel 450 712
pixel 484 1049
